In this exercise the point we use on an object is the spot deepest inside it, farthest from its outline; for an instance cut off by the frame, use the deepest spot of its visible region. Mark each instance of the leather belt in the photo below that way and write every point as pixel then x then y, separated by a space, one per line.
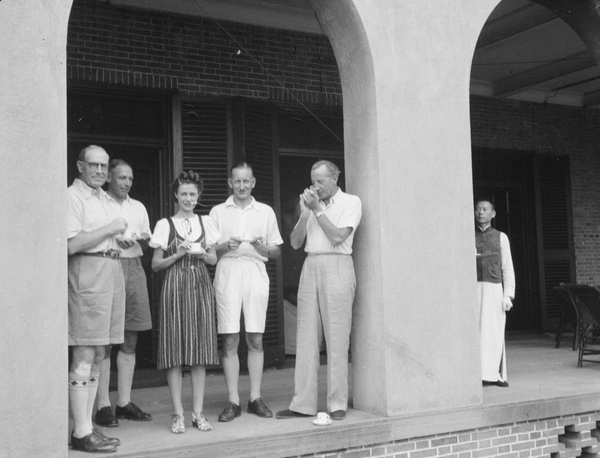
pixel 112 254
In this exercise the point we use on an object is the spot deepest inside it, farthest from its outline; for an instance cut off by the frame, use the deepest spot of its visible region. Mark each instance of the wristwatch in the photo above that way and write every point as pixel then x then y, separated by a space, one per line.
pixel 319 214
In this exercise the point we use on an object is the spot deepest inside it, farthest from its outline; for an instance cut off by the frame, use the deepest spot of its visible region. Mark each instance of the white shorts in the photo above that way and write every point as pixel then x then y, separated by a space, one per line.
pixel 241 284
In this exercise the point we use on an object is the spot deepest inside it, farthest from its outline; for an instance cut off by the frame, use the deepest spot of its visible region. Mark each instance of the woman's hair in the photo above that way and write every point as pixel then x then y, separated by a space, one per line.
pixel 189 177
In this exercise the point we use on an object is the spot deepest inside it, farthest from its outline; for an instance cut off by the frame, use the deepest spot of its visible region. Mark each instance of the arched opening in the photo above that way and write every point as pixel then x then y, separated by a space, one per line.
pixel 169 89
pixel 534 86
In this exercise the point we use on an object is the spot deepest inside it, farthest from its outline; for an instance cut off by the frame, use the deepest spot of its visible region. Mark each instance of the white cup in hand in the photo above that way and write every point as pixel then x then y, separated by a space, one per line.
pixel 196 247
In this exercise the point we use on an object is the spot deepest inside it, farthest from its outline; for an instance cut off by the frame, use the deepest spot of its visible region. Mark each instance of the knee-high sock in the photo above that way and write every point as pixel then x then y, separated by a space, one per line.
pixel 104 383
pixel 125 367
pixel 78 397
pixel 92 390
pixel 231 369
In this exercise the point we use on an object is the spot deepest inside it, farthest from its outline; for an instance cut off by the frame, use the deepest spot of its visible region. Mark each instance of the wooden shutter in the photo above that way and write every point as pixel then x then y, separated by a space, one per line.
pixel 204 140
pixel 555 233
pixel 204 135
pixel 254 142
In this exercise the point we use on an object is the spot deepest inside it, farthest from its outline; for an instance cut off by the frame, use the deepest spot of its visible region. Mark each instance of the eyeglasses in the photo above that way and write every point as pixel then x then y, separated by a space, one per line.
pixel 97 166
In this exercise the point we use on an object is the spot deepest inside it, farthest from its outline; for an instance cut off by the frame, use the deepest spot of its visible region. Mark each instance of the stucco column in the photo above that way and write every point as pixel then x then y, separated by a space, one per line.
pixel 33 327
pixel 405 70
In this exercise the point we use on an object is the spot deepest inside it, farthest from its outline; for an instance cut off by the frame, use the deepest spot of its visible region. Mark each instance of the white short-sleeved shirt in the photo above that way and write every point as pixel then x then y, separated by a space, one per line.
pixel 134 212
pixel 160 237
pixel 89 209
pixel 256 220
pixel 344 210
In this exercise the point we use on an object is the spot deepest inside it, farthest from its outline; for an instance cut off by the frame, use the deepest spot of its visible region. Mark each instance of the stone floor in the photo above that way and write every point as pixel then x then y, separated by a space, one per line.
pixel 544 382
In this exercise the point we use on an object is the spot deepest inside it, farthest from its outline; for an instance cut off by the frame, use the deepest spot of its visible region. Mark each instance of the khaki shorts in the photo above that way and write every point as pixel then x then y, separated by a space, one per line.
pixel 241 284
pixel 96 301
pixel 137 304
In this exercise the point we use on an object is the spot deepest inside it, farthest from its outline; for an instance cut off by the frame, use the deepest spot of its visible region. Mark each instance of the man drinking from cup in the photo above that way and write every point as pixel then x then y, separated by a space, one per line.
pixel 328 221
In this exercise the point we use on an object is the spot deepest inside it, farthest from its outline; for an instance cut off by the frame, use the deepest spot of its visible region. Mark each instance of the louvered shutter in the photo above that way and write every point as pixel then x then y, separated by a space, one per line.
pixel 205 150
pixel 204 140
pixel 555 233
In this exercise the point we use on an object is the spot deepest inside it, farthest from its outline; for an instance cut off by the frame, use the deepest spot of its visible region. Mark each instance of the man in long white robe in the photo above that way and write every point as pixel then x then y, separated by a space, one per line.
pixel 495 292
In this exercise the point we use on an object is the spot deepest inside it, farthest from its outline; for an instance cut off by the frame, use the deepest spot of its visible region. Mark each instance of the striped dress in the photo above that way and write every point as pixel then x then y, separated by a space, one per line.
pixel 187 333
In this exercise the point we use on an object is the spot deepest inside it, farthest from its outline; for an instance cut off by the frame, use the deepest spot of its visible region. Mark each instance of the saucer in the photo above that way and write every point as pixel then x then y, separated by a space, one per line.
pixel 327 422
pixel 195 252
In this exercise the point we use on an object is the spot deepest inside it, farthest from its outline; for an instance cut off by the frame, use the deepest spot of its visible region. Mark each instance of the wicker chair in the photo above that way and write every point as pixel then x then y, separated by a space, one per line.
pixel 586 299
pixel 569 315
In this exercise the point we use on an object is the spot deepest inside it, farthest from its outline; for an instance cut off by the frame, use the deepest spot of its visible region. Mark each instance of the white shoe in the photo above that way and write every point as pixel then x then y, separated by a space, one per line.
pixel 178 426
pixel 200 422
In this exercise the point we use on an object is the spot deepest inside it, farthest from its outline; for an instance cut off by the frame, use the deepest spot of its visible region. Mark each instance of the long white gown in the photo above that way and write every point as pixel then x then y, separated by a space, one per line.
pixel 492 318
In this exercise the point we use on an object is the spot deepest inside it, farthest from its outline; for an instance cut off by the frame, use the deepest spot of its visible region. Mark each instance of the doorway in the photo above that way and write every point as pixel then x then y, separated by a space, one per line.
pixel 533 207
pixel 133 127
pixel 507 179
pixel 510 218
pixel 145 162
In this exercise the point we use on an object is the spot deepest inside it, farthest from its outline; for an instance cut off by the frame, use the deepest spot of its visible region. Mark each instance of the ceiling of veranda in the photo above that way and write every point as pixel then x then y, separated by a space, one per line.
pixel 524 52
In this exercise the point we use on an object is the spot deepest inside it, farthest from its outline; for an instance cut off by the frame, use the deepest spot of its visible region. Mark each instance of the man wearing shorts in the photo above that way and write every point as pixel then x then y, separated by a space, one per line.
pixel 137 305
pixel 249 238
pixel 96 292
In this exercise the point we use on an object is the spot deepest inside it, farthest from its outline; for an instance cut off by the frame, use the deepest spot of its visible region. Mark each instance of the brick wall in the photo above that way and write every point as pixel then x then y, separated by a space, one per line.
pixel 199 57
pixel 565 437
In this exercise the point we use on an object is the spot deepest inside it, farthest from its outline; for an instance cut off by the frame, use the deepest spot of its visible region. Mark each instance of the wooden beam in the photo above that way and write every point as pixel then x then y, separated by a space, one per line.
pixel 527 79
pixel 591 99
pixel 513 23
pixel 176 129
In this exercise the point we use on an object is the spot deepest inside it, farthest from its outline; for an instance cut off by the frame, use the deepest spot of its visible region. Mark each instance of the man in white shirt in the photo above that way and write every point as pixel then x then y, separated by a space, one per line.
pixel 249 238
pixel 328 221
pixel 96 292
pixel 137 304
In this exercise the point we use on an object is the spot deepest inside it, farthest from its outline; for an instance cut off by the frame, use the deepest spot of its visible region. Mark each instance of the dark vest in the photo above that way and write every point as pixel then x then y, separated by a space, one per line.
pixel 489 256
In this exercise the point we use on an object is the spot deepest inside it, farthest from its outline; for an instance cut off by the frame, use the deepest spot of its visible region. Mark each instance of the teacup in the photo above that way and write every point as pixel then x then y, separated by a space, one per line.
pixel 128 234
pixel 322 417
pixel 195 247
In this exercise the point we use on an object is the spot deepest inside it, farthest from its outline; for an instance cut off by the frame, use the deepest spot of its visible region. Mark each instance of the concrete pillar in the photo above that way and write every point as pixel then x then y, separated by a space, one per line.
pixel 33 353
pixel 405 70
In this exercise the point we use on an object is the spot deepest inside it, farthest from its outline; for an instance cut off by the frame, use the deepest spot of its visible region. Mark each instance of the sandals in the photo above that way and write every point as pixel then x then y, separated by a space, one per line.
pixel 178 426
pixel 198 421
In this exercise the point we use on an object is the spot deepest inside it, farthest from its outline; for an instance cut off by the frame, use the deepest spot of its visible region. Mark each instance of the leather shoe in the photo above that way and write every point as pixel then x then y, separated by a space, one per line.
pixel 287 414
pixel 105 417
pixel 259 408
pixel 111 440
pixel 230 411
pixel 132 412
pixel 91 443
pixel 338 414
pixel 500 383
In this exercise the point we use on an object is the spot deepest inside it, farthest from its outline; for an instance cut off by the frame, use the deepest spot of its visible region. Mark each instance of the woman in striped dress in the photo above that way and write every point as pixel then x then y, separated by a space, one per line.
pixel 183 244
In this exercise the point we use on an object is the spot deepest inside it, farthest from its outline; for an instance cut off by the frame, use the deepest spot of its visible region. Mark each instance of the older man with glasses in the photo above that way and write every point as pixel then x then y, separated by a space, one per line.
pixel 96 292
